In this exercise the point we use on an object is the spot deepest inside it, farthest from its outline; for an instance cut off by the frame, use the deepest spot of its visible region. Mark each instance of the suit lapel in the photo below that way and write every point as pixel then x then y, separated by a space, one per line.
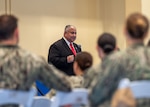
pixel 76 47
pixel 66 46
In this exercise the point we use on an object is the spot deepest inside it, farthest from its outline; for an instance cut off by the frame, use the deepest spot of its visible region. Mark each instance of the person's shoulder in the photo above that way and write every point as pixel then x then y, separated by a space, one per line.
pixel 148 49
pixel 115 59
pixel 58 41
pixel 73 78
pixel 77 45
pixel 124 57
pixel 76 81
pixel 116 55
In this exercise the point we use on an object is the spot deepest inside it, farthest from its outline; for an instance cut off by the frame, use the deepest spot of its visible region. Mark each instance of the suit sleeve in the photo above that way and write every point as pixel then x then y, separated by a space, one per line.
pixel 55 57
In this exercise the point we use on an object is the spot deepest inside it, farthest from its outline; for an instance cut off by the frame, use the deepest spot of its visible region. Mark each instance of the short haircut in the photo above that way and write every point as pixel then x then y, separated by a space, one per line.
pixel 84 60
pixel 107 42
pixel 137 25
pixel 67 27
pixel 8 24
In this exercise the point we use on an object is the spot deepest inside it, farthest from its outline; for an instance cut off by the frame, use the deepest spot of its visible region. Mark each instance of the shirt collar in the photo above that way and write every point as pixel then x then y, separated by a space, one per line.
pixel 68 43
pixel 137 45
pixel 9 46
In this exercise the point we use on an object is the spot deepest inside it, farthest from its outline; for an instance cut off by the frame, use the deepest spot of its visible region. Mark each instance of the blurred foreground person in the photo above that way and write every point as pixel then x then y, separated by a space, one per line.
pixel 82 62
pixel 18 68
pixel 134 63
pixel 106 44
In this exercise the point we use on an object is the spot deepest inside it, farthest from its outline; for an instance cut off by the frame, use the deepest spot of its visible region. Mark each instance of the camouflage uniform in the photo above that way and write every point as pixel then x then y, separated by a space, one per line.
pixel 134 63
pixel 89 75
pixel 76 81
pixel 19 69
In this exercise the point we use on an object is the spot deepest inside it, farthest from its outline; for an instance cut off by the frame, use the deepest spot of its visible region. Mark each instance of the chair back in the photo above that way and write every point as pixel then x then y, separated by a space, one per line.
pixel 41 101
pixel 76 97
pixel 128 91
pixel 23 98
pixel 139 88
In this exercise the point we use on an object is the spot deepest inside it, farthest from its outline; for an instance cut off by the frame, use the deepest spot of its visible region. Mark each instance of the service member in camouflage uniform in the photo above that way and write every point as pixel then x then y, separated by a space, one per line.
pixel 106 44
pixel 83 61
pixel 134 63
pixel 19 68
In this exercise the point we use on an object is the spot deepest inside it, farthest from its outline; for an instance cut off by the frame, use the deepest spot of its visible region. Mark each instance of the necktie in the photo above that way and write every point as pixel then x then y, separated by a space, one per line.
pixel 72 48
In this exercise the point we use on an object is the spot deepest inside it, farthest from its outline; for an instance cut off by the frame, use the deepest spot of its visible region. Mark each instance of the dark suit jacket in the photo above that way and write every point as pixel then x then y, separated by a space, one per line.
pixel 58 53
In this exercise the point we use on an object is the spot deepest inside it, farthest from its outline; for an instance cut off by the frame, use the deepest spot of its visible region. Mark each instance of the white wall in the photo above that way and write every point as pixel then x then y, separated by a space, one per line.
pixel 145 4
pixel 2 6
pixel 113 12
pixel 42 22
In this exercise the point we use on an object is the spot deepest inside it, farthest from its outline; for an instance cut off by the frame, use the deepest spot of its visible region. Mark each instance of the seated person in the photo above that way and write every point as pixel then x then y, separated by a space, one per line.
pixel 106 44
pixel 132 63
pixel 83 61
pixel 19 69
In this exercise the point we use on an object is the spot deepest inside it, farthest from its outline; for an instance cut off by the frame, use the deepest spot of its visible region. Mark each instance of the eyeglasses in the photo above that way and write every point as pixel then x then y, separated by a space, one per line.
pixel 73 32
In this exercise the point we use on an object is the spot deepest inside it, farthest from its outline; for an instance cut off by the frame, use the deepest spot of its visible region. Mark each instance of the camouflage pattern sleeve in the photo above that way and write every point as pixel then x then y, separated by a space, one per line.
pixel 88 77
pixel 23 68
pixel 51 76
pixel 102 87
pixel 60 80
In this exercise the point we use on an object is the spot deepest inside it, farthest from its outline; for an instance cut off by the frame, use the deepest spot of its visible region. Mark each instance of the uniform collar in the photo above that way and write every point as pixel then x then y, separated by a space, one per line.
pixel 8 46
pixel 137 45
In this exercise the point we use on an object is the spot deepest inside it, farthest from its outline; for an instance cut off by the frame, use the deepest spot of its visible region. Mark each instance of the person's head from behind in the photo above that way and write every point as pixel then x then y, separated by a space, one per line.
pixel 8 29
pixel 70 33
pixel 106 44
pixel 83 61
pixel 136 27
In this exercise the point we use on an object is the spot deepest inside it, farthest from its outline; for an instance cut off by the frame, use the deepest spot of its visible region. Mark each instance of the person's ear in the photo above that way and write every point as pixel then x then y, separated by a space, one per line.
pixel 146 35
pixel 125 32
pixel 97 48
pixel 16 34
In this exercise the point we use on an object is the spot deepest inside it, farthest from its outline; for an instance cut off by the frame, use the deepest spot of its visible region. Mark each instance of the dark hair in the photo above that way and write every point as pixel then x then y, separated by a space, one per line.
pixel 107 42
pixel 137 25
pixel 66 27
pixel 84 60
pixel 8 24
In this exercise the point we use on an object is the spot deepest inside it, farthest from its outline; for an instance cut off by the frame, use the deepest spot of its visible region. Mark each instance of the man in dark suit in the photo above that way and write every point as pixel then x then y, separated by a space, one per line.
pixel 61 54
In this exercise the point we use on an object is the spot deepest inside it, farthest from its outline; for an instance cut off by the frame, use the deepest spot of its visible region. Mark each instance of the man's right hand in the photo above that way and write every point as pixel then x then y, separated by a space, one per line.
pixel 70 58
